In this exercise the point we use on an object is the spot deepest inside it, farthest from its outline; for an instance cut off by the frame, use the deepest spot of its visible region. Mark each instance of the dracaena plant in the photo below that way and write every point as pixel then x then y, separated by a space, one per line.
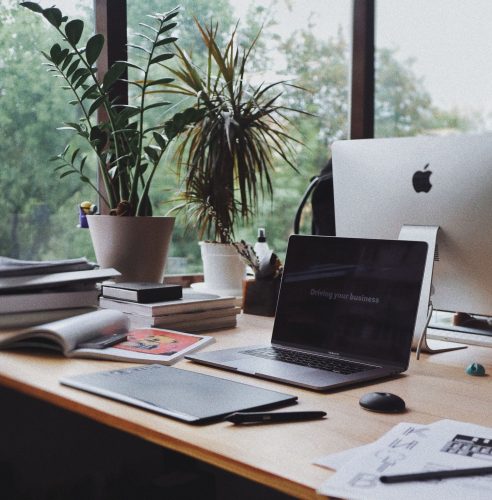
pixel 127 148
pixel 226 157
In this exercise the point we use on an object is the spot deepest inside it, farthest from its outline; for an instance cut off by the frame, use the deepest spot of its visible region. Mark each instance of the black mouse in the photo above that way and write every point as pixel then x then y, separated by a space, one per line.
pixel 384 402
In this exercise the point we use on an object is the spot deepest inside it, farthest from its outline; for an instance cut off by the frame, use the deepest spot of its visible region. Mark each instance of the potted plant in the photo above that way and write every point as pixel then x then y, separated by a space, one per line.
pixel 127 148
pixel 226 156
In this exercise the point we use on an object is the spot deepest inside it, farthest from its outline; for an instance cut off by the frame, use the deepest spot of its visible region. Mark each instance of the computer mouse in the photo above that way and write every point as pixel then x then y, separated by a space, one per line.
pixel 383 402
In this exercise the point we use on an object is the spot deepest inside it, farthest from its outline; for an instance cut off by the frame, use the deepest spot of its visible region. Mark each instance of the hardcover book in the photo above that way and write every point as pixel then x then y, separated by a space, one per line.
pixel 191 301
pixel 144 345
pixel 48 300
pixel 23 283
pixel 142 292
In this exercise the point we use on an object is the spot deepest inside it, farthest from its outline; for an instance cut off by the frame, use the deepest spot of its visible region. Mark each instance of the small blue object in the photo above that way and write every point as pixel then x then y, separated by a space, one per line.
pixel 86 208
pixel 475 369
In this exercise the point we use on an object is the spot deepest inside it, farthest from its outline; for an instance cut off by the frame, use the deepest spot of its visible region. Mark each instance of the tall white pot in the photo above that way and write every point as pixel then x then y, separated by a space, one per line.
pixel 135 246
pixel 223 269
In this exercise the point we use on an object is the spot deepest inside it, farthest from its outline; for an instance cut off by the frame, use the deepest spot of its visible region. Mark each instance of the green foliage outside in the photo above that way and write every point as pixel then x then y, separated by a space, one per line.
pixel 40 211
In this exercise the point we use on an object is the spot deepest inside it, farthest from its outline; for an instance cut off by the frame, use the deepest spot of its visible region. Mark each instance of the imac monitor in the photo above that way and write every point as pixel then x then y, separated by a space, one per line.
pixel 382 184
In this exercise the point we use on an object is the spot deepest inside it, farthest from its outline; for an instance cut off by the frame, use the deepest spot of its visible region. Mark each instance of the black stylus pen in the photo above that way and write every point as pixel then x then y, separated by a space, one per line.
pixel 251 417
pixel 437 474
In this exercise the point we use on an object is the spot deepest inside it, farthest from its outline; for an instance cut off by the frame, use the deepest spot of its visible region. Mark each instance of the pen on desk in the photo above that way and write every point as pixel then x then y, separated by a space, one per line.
pixel 437 474
pixel 264 417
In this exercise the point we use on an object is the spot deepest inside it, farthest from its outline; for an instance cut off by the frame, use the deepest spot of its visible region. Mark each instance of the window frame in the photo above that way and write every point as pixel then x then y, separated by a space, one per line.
pixel 111 21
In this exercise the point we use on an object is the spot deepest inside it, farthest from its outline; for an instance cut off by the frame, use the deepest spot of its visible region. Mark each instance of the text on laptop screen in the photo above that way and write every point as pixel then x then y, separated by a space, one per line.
pixel 350 296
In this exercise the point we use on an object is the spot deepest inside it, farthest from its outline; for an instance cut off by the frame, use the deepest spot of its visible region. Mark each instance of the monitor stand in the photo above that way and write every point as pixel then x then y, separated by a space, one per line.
pixel 420 343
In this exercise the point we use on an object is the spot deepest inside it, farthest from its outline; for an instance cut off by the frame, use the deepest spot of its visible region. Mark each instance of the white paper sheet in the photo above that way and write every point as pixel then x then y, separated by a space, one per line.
pixel 411 448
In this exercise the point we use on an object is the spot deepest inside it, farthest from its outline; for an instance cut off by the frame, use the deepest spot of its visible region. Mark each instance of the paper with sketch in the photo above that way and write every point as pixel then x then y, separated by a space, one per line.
pixel 408 448
pixel 336 460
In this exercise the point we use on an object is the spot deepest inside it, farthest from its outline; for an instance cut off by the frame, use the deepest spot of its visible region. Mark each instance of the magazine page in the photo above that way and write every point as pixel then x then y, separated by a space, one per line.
pixel 69 332
pixel 149 345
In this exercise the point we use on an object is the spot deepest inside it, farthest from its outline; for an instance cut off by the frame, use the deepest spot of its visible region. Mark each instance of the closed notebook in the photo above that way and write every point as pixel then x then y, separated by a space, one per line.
pixel 142 291
pixel 181 394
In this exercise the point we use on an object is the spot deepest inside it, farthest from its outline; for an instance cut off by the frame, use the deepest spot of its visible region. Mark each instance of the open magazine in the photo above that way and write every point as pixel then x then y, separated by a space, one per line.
pixel 143 345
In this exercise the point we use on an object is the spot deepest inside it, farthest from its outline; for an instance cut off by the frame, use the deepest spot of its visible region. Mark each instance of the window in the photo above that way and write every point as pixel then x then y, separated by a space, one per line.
pixel 39 212
pixel 431 73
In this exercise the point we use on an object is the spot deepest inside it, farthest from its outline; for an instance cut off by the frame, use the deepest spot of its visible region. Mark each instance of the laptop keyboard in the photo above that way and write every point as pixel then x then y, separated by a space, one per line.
pixel 311 360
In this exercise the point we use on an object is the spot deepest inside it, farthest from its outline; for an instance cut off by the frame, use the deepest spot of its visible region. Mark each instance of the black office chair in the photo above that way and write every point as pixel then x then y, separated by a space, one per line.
pixel 320 190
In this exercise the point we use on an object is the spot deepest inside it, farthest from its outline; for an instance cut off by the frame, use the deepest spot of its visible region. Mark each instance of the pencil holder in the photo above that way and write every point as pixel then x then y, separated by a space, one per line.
pixel 260 296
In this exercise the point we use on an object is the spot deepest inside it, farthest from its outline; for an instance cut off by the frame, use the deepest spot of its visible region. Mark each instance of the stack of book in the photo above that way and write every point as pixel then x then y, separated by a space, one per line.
pixel 35 292
pixel 193 312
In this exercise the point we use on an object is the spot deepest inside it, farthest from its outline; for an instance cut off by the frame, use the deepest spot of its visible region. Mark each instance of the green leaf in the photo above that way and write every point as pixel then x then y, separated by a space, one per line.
pixel 160 139
pixel 83 178
pixel 170 15
pixel 148 27
pixel 66 128
pixel 93 48
pixel 67 173
pixel 157 105
pixel 74 30
pixel 161 81
pixel 46 55
pixel 72 67
pixel 96 104
pixel 67 60
pixel 131 65
pixel 78 73
pixel 74 155
pixel 82 164
pixel 162 57
pixel 113 73
pixel 138 47
pixel 53 16
pixel 90 93
pixel 35 7
pixel 56 54
pixel 165 41
pixel 167 27
pixel 152 154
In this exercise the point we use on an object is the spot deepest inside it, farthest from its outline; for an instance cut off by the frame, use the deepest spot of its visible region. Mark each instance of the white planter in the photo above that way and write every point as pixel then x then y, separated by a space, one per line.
pixel 135 246
pixel 223 269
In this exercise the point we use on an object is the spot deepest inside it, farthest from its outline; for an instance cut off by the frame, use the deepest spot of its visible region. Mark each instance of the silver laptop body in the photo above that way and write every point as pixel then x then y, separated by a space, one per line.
pixel 346 302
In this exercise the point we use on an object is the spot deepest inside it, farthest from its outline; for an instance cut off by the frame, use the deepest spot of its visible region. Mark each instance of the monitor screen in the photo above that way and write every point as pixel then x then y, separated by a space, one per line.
pixel 382 184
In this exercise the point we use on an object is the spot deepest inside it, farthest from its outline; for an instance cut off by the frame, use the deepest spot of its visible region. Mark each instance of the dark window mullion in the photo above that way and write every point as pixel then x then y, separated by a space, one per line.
pixel 362 91
pixel 111 21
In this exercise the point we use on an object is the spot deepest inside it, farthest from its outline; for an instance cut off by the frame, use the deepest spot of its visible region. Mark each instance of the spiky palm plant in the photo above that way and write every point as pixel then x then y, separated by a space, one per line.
pixel 227 156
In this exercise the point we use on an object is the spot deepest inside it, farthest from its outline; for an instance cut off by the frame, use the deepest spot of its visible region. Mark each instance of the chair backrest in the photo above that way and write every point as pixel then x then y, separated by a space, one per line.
pixel 320 190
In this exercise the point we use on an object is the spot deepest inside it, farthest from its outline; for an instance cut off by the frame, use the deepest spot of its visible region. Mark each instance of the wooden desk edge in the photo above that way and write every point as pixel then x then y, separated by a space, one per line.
pixel 287 486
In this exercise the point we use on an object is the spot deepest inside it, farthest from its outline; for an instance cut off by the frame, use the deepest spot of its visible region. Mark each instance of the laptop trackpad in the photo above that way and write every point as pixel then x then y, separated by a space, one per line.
pixel 271 367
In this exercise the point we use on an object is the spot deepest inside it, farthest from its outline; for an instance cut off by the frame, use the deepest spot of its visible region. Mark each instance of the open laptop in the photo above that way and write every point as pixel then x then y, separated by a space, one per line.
pixel 346 314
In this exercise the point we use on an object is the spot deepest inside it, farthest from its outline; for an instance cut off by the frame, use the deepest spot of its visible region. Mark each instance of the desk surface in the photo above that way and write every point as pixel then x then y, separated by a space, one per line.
pixel 280 455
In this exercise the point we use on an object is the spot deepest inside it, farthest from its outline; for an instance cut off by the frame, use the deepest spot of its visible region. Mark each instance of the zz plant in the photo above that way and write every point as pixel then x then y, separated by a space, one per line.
pixel 127 148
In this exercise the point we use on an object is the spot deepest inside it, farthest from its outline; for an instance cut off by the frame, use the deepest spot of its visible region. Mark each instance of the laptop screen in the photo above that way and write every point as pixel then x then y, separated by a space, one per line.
pixel 354 297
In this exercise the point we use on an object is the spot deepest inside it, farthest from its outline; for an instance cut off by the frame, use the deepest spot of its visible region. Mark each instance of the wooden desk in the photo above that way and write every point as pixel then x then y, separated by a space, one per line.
pixel 279 456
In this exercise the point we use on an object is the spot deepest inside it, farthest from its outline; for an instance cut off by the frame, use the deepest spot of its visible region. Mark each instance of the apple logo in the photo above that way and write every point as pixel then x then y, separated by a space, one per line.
pixel 420 180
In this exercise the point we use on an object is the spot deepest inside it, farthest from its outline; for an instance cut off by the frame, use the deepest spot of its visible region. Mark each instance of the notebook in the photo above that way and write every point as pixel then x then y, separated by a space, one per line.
pixel 181 394
pixel 346 314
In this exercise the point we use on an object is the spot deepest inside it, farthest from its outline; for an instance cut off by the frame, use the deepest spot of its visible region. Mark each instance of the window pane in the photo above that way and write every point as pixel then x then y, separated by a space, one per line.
pixel 304 42
pixel 39 211
pixel 432 76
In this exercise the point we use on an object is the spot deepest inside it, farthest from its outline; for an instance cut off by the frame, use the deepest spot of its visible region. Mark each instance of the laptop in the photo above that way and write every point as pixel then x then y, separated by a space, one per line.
pixel 345 314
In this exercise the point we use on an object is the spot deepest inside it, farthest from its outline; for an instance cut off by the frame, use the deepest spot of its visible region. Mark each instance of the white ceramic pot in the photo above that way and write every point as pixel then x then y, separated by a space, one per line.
pixel 135 246
pixel 223 269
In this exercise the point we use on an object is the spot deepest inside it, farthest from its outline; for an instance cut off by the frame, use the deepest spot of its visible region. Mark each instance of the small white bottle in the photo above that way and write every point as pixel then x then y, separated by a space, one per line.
pixel 261 247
